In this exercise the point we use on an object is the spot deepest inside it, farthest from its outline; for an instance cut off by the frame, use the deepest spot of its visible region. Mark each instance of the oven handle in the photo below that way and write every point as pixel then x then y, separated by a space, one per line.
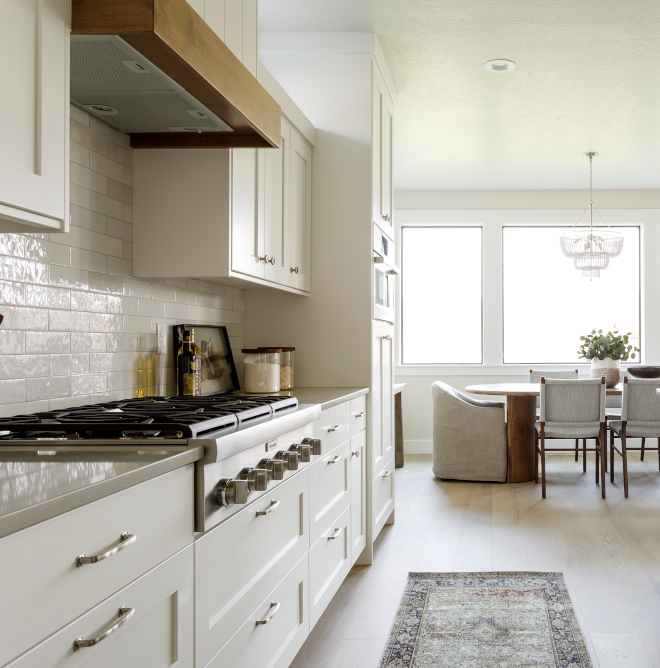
pixel 384 266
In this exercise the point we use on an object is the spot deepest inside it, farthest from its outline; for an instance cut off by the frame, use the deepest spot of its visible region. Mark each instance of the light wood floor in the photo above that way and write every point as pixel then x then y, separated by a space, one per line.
pixel 609 552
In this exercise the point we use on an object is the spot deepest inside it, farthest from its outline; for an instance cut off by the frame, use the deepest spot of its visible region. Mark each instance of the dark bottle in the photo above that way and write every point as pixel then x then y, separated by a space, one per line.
pixel 186 365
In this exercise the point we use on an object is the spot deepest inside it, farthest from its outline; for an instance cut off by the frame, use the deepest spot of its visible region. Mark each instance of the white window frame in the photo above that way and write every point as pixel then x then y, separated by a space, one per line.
pixel 492 222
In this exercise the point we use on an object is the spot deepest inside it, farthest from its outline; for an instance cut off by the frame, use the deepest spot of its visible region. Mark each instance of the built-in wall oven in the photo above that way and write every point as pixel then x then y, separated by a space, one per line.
pixel 385 273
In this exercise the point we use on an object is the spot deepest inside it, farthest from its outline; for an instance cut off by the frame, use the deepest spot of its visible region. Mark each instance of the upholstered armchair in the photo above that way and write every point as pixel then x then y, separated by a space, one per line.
pixel 469 436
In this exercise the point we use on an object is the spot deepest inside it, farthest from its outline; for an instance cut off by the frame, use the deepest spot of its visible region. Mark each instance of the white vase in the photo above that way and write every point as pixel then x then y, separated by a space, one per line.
pixel 609 368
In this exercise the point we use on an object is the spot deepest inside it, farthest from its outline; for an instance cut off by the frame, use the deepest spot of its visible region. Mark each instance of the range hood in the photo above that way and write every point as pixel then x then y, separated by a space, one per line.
pixel 156 71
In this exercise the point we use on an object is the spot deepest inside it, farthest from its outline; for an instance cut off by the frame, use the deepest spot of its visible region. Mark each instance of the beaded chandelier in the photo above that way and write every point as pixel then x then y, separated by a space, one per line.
pixel 591 248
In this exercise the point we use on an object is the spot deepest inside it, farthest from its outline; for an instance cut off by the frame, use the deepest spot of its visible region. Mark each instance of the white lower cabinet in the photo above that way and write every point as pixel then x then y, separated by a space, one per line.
pixel 358 494
pixel 382 487
pixel 154 631
pixel 47 588
pixel 239 562
pixel 275 629
pixel 329 488
pixel 329 564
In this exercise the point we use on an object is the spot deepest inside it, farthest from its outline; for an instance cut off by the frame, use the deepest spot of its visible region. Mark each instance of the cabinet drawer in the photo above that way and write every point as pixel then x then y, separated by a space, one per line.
pixel 240 561
pixel 358 415
pixel 275 643
pixel 333 427
pixel 48 590
pixel 158 634
pixel 382 496
pixel 329 488
pixel 329 563
pixel 358 494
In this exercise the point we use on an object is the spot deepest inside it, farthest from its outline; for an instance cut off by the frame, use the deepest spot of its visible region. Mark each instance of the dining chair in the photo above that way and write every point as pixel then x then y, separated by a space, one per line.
pixel 571 409
pixel 640 418
pixel 535 377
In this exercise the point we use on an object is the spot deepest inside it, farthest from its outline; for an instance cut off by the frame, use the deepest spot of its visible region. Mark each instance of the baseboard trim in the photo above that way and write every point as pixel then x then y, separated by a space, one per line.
pixel 411 447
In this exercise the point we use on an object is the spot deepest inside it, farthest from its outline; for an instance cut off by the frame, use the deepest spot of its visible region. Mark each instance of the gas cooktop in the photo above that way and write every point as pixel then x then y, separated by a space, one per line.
pixel 150 417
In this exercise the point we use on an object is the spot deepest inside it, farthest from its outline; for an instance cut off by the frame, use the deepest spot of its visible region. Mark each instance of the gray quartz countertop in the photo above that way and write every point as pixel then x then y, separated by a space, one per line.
pixel 37 485
pixel 326 397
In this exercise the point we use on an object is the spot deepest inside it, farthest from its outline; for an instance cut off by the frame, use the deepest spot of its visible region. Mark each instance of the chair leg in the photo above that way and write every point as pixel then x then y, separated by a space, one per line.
pixel 536 457
pixel 577 441
pixel 641 457
pixel 612 457
pixel 543 467
pixel 584 455
pixel 624 456
pixel 602 444
pixel 597 463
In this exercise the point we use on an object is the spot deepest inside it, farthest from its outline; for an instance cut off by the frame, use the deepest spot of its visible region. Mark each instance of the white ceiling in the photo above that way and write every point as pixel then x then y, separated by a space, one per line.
pixel 588 79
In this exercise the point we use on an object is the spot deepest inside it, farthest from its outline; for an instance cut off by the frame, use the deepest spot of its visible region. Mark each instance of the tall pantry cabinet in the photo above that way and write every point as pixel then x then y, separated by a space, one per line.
pixel 34 116
pixel 338 342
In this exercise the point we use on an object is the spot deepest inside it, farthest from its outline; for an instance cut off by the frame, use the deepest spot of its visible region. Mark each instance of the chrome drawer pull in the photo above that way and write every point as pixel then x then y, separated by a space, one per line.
pixel 362 414
pixel 334 460
pixel 125 613
pixel 274 608
pixel 387 474
pixel 355 453
pixel 337 427
pixel 125 540
pixel 334 535
pixel 273 505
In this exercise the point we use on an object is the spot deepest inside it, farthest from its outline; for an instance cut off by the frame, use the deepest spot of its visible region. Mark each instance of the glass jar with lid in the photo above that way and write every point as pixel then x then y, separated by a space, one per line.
pixel 261 370
pixel 286 368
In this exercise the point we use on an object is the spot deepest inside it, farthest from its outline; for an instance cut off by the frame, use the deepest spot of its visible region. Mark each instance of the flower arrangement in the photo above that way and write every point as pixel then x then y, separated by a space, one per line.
pixel 613 345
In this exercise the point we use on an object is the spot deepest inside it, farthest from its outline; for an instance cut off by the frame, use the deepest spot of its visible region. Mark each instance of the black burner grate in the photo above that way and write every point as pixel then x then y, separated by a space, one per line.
pixel 152 417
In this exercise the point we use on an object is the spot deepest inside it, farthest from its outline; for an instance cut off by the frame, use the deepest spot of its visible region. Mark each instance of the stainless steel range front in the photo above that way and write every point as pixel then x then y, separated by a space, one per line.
pixel 251 443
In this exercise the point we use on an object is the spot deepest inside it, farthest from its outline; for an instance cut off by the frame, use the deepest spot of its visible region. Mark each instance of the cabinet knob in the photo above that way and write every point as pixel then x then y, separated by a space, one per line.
pixel 294 270
pixel 355 453
pixel 386 216
pixel 387 337
pixel 263 259
pixel 271 261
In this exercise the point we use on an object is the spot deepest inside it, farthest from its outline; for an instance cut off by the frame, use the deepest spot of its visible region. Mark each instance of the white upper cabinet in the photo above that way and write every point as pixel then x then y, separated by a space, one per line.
pixel 247 217
pixel 300 225
pixel 247 210
pixel 34 115
pixel 235 23
pixel 276 200
pixel 382 129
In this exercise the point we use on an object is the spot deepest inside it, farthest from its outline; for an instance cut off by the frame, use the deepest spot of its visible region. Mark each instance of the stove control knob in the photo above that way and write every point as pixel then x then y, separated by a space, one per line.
pixel 289 458
pixel 274 468
pixel 257 479
pixel 304 452
pixel 314 443
pixel 232 492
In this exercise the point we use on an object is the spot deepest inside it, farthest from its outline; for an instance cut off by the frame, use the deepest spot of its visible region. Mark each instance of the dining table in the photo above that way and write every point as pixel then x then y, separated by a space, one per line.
pixel 521 423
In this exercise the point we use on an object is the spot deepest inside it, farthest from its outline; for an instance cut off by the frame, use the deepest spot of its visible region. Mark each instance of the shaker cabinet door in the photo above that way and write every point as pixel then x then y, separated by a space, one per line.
pixel 247 217
pixel 34 116
pixel 275 199
pixel 358 494
pixel 382 131
pixel 300 235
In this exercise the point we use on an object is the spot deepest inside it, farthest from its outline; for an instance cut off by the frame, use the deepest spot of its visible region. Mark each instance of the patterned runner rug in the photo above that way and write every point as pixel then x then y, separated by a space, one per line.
pixel 485 620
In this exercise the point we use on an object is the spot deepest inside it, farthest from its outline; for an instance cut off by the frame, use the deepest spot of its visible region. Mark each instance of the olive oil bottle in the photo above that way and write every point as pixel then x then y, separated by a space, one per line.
pixel 187 368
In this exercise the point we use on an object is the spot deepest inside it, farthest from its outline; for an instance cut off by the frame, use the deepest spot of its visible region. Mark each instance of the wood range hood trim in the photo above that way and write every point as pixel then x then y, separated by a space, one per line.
pixel 171 35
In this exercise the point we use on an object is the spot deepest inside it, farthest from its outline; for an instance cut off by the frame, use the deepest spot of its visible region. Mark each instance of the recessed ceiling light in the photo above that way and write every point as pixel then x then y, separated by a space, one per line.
pixel 499 66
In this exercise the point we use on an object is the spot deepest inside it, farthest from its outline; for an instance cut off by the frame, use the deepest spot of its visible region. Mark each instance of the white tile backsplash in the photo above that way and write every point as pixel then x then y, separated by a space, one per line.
pixel 78 327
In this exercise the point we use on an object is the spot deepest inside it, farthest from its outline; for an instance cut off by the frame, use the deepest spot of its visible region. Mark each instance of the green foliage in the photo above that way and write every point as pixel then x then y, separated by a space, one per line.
pixel 612 345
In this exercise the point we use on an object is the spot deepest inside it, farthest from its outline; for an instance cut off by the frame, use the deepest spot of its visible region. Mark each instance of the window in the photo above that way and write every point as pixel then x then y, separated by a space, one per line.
pixel 441 295
pixel 547 305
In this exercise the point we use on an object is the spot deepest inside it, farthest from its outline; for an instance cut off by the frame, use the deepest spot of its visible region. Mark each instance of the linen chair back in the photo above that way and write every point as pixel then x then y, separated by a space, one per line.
pixel 640 403
pixel 573 402
pixel 535 377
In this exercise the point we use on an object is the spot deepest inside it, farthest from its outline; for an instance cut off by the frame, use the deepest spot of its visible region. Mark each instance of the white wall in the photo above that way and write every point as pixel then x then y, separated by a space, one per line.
pixel 492 209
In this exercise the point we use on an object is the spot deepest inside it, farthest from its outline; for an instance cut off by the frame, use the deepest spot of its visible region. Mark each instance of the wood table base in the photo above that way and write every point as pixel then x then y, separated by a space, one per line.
pixel 521 419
